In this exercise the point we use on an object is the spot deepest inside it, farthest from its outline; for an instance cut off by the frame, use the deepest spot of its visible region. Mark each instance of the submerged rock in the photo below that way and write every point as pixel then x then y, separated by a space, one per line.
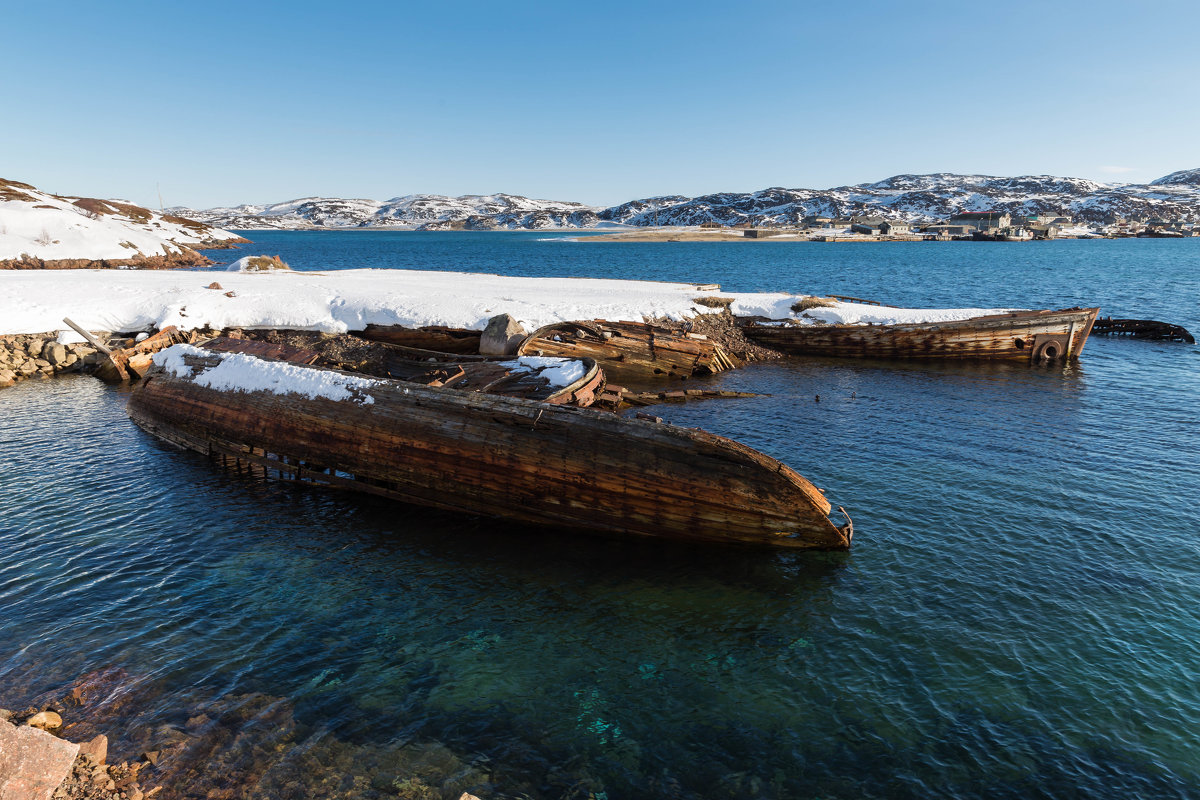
pixel 45 720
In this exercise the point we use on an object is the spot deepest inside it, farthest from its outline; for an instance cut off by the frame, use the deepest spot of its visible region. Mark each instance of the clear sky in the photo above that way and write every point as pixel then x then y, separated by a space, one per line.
pixel 221 103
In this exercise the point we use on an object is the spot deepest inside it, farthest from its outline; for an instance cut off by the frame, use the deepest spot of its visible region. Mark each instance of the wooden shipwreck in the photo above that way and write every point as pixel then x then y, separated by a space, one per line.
pixel 511 376
pixel 1143 329
pixel 1030 336
pixel 630 351
pixel 477 453
pixel 431 337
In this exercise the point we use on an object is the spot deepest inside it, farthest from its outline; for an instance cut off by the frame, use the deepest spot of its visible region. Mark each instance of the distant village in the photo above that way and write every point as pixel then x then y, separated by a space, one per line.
pixel 993 226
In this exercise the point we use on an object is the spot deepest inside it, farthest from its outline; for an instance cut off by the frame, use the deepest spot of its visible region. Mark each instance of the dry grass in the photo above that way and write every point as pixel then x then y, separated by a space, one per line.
pixel 136 213
pixel 265 264
pixel 11 190
pixel 185 222
pixel 94 206
pixel 712 301
pixel 813 302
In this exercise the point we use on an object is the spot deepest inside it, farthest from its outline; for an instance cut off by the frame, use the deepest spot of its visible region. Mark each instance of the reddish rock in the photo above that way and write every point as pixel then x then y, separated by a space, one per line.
pixel 96 749
pixel 32 762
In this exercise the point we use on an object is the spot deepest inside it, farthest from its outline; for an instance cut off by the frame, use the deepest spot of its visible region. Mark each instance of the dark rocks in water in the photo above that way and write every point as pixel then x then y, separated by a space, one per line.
pixel 45 720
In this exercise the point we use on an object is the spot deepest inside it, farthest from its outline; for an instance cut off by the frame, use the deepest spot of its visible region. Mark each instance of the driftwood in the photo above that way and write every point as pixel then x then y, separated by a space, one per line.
pixel 1030 336
pixel 630 351
pixel 476 453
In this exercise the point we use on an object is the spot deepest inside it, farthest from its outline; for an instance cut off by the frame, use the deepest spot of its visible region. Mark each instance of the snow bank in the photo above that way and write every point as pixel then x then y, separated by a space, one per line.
pixel 239 372
pixel 35 301
pixel 560 372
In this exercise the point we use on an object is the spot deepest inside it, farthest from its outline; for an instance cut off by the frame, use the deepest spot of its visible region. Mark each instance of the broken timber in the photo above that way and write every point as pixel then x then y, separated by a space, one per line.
pixel 506 457
pixel 131 363
pixel 432 337
pixel 630 351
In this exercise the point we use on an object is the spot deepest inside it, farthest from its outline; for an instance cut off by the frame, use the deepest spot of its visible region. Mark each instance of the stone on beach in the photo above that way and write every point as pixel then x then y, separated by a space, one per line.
pixel 96 748
pixel 501 336
pixel 32 762
pixel 54 353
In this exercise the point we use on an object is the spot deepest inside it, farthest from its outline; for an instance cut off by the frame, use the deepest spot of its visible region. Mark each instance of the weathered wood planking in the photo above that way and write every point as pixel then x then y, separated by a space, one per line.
pixel 629 351
pixel 532 462
pixel 133 362
pixel 466 373
pixel 433 337
pixel 1031 336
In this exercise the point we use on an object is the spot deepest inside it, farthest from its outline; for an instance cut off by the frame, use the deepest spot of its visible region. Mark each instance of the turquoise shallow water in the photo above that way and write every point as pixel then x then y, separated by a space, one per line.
pixel 1018 617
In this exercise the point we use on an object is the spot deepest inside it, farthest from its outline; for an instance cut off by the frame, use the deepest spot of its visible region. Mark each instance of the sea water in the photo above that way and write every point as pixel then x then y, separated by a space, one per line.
pixel 1018 616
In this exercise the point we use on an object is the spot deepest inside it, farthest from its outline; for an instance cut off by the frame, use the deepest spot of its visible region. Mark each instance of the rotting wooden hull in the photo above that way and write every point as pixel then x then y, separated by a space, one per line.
pixel 1030 336
pixel 629 351
pixel 463 372
pixel 433 337
pixel 499 456
pixel 134 361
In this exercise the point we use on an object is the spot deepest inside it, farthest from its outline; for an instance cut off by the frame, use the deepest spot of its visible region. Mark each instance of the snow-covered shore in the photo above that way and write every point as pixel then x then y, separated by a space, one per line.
pixel 35 301
pixel 40 229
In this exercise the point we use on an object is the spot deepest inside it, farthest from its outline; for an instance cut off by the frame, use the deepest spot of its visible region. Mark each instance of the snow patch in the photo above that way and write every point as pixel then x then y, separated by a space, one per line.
pixel 560 372
pixel 239 372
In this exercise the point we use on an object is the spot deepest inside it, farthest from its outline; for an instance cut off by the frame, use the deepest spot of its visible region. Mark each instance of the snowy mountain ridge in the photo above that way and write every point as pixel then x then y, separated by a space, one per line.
pixel 911 198
pixel 427 211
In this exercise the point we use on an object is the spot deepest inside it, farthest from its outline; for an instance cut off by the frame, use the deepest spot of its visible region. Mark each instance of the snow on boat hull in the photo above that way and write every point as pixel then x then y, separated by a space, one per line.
pixel 1030 336
pixel 497 456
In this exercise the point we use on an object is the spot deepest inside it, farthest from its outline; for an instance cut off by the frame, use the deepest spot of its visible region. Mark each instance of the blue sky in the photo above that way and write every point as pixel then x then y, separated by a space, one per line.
pixel 221 103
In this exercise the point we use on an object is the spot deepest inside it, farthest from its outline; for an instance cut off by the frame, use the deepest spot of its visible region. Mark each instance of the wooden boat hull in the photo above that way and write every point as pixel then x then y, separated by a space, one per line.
pixel 1029 336
pixel 432 337
pixel 429 368
pixel 498 456
pixel 629 351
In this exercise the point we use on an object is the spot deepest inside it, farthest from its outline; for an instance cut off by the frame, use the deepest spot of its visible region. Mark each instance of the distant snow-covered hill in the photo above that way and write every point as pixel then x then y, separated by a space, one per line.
pixel 926 198
pixel 912 198
pixel 427 211
pixel 38 230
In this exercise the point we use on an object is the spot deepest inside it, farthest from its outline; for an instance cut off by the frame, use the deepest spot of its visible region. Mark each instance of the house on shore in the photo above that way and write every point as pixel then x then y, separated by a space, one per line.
pixel 895 228
pixel 983 221
pixel 871 226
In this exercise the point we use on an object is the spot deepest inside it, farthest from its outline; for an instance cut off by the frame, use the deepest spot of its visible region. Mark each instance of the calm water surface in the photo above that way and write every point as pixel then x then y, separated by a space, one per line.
pixel 1019 617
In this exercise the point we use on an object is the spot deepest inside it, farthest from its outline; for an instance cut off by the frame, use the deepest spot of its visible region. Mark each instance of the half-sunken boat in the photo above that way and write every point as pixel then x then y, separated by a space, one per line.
pixel 1029 336
pixel 630 351
pixel 557 465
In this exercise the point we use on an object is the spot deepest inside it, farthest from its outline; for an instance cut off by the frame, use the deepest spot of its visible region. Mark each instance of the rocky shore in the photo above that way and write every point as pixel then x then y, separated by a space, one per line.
pixel 186 257
pixel 40 355
pixel 211 748
pixel 38 763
